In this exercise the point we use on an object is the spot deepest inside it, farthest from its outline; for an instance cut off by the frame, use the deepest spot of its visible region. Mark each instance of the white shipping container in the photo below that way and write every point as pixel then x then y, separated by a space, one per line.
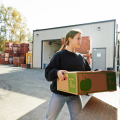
pixel 105 37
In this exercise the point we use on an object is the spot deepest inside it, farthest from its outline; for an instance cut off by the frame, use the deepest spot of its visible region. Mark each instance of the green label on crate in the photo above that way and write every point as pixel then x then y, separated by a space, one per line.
pixel 111 81
pixel 72 82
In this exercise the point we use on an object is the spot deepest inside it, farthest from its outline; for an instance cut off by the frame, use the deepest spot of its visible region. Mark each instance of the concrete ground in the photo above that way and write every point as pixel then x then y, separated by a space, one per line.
pixel 25 93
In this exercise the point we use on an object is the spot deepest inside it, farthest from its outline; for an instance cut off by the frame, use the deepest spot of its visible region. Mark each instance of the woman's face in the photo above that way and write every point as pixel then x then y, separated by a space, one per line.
pixel 76 41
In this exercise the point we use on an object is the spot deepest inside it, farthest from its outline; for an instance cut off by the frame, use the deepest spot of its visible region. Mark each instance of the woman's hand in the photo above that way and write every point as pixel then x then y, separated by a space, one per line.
pixel 60 75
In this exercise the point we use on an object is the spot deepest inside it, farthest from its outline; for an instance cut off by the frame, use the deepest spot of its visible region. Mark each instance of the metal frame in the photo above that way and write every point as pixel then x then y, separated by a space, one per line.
pixel 32 47
pixel 75 25
pixel 117 50
pixel 114 46
pixel 105 55
pixel 42 48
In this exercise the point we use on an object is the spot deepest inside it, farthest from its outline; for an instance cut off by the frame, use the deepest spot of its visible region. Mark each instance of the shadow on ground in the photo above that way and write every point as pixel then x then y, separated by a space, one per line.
pixel 95 109
pixel 24 81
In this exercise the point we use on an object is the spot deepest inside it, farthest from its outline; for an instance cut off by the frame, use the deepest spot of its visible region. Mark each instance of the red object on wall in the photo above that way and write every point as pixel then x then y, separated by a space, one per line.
pixel 85 45
pixel 62 41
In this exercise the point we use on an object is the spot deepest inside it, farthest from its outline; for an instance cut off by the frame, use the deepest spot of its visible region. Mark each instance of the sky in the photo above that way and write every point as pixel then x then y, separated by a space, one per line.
pixel 41 14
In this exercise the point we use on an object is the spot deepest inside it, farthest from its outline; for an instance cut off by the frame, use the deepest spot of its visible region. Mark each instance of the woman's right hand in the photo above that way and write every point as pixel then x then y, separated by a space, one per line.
pixel 60 75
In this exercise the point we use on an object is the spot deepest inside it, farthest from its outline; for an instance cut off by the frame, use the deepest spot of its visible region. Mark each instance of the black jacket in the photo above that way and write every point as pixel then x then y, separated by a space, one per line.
pixel 64 60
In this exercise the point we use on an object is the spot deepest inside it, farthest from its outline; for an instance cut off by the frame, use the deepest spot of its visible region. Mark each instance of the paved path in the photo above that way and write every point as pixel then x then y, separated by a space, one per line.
pixel 24 95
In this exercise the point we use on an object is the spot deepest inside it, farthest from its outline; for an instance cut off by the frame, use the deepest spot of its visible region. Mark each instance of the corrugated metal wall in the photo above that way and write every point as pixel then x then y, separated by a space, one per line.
pixel 102 38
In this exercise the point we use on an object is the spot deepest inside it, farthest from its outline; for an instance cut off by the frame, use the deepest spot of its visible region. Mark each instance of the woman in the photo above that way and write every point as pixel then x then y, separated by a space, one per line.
pixel 66 59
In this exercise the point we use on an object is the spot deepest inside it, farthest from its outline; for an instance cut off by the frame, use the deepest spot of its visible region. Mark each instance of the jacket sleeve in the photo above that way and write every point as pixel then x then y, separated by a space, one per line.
pixel 87 66
pixel 52 68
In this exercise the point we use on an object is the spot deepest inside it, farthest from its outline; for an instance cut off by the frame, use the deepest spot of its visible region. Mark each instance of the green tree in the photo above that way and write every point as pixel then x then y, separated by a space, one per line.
pixel 13 26
pixel 30 37
pixel 3 23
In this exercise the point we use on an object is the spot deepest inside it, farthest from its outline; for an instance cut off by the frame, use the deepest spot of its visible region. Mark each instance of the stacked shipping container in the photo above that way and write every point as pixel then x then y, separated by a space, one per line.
pixel 14 54
pixel 6 58
pixel 2 58
pixel 9 52
pixel 16 50
pixel 17 61
pixel 24 48
pixel 20 50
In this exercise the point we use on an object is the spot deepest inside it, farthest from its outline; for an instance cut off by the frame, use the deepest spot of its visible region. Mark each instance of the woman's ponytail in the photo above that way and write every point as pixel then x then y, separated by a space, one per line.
pixel 63 47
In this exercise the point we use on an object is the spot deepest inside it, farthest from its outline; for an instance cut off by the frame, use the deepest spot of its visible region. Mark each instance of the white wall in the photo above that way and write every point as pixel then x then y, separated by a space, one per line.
pixel 46 52
pixel 102 38
pixel 30 46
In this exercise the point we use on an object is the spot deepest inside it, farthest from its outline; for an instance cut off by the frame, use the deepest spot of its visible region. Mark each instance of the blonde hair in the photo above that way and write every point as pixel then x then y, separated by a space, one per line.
pixel 71 35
